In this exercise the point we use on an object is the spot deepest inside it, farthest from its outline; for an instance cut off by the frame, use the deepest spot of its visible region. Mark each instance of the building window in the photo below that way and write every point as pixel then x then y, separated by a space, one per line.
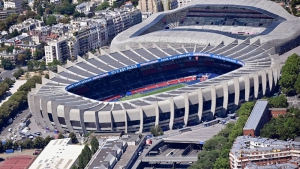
pixel 90 124
pixel 61 120
pixel 75 123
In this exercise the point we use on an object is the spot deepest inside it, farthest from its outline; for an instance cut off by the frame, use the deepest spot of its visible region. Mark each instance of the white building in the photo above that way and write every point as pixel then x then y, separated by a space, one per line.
pixel 27 25
pixel 57 49
pixel 13 4
pixel 88 34
pixel 59 153
pixel 86 7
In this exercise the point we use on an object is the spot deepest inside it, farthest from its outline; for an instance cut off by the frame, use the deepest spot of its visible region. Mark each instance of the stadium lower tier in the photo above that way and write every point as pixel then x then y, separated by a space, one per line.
pixel 152 76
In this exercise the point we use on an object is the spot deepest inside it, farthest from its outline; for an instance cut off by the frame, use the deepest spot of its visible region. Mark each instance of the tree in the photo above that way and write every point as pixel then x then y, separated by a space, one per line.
pixel 27 144
pixel 18 73
pixel 21 58
pixel 156 130
pixel 43 65
pixel 290 72
pixel 8 81
pixel 40 10
pixel 6 64
pixel 38 54
pixel 47 140
pixel 47 76
pixel 297 85
pixel 215 143
pixel 27 53
pixel 84 157
pixel 94 144
pixel 38 142
pixel 3 88
pixel 74 167
pixel 278 102
pixel 51 20
pixel 102 6
pixel 8 144
pixel 30 65
pixel 222 163
pixel 60 136
pixel 16 145
pixel 72 135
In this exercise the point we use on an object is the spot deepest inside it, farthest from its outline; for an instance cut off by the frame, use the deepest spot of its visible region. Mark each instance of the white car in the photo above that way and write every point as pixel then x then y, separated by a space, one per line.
pixel 9 130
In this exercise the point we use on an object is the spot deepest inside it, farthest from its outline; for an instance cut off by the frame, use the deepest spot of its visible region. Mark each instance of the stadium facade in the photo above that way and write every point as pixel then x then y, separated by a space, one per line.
pixel 245 35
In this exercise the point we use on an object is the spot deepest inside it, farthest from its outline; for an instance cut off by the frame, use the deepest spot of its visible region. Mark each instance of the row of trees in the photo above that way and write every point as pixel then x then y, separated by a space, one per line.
pixel 15 18
pixel 215 150
pixel 284 127
pixel 5 85
pixel 18 101
pixel 86 154
pixel 18 73
pixel 290 79
pixel 38 142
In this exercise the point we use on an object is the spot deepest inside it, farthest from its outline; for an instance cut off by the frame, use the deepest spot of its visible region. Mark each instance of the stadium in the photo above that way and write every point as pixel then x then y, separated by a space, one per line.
pixel 177 68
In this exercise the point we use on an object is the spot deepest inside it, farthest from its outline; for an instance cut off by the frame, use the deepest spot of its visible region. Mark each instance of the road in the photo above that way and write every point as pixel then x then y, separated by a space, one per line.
pixel 14 124
pixel 9 73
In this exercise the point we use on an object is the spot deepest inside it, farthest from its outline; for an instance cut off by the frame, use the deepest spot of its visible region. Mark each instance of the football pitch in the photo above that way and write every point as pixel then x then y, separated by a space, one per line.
pixel 138 95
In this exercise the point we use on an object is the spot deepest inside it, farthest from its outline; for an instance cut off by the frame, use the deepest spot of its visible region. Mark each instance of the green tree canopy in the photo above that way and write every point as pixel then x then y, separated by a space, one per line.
pixel 102 6
pixel 51 20
pixel 60 136
pixel 38 142
pixel 156 130
pixel 72 135
pixel 290 72
pixel 6 64
pixel 94 145
pixel 278 102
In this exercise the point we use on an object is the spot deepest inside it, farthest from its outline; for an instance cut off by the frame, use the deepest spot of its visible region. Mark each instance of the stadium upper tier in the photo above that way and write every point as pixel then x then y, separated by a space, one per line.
pixel 248 68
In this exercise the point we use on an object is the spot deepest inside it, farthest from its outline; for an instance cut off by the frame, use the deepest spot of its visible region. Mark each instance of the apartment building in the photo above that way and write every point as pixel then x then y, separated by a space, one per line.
pixel 250 152
pixel 13 4
pixel 27 25
pixel 119 19
pixel 88 34
pixel 148 7
pixel 57 49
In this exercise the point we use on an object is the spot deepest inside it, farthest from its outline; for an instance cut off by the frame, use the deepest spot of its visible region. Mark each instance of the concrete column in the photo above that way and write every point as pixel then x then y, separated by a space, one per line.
pixel 81 113
pixel 187 109
pixel 126 121
pixel 97 121
pixel 247 87
pixel 67 119
pixel 111 121
pixel 256 85
pixel 236 83
pixel 213 100
pixel 38 110
pixel 264 82
pixel 31 106
pixel 270 79
pixel 141 119
pixel 45 114
pixel 156 113
pixel 54 106
pixel 225 98
pixel 171 123
pixel 200 101
pixel 275 76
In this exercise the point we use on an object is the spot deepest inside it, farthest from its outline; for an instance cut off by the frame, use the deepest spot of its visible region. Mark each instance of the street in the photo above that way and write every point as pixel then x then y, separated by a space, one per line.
pixel 14 124
pixel 9 73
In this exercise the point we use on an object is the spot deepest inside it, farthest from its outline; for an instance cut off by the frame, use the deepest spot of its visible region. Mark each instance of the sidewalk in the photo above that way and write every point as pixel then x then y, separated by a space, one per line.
pixel 13 89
